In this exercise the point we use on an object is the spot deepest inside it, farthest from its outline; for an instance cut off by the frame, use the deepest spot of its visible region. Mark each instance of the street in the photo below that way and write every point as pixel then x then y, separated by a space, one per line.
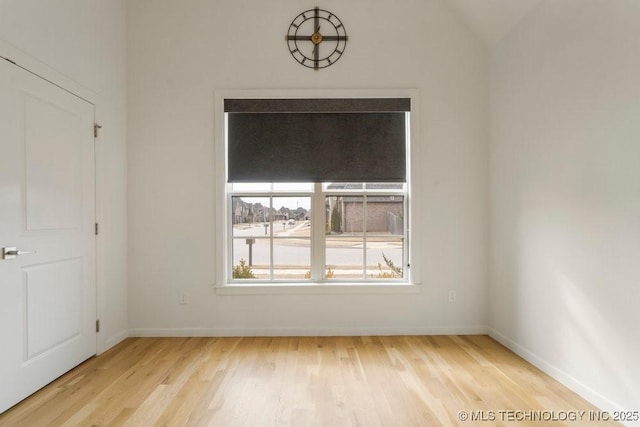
pixel 292 253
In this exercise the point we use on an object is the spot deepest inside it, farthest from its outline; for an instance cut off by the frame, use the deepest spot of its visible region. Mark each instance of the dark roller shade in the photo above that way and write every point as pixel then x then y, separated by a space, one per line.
pixel 341 143
pixel 318 105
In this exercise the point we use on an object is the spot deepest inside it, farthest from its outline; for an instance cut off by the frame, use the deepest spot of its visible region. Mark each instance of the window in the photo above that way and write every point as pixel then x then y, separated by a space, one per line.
pixel 270 229
pixel 276 235
pixel 317 190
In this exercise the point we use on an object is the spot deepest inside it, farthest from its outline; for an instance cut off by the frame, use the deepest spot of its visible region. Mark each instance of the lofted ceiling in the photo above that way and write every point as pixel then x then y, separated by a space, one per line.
pixel 493 19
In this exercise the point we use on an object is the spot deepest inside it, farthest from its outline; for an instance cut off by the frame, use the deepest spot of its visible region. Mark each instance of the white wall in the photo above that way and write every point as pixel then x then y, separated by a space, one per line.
pixel 180 52
pixel 565 181
pixel 81 43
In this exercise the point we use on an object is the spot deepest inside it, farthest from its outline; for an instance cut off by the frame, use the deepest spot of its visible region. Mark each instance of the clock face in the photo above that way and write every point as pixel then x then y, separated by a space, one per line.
pixel 316 38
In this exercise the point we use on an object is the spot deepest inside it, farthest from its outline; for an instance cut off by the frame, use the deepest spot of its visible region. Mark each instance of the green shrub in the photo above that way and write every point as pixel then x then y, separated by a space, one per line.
pixel 243 271
pixel 327 275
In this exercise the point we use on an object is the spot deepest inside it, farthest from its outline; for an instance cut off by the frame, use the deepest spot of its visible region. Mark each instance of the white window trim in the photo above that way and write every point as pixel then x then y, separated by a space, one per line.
pixel 221 284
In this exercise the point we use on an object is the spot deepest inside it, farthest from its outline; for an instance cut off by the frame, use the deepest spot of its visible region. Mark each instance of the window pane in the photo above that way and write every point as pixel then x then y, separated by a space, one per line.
pixel 271 233
pixel 251 259
pixel 384 258
pixel 250 216
pixel 344 215
pixel 292 216
pixel 291 259
pixel 385 215
pixel 344 258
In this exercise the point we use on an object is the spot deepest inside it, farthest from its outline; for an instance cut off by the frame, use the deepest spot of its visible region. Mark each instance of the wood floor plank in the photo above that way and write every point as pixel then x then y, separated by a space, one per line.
pixel 297 381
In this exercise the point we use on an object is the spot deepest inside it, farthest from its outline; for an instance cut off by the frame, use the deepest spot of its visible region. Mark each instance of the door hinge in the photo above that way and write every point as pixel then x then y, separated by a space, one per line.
pixel 96 127
pixel 97 325
pixel 97 229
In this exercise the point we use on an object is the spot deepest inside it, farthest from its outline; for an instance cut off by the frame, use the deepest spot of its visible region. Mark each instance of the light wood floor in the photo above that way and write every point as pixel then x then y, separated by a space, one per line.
pixel 318 381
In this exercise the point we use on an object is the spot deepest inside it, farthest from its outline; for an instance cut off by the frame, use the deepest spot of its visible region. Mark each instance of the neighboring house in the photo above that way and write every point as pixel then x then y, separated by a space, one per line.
pixel 244 212
pixel 241 210
pixel 384 213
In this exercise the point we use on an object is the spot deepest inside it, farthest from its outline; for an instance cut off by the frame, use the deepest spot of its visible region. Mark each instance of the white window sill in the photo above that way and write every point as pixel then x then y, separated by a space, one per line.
pixel 316 289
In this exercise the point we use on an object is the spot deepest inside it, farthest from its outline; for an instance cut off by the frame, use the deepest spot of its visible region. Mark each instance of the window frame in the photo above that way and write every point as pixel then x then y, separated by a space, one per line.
pixel 222 206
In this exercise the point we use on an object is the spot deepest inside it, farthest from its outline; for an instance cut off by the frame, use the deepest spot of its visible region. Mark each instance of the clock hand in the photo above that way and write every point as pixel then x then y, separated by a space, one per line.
pixel 316 54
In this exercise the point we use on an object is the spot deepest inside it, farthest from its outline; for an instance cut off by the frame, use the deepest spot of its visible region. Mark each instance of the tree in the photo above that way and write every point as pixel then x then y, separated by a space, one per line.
pixel 336 220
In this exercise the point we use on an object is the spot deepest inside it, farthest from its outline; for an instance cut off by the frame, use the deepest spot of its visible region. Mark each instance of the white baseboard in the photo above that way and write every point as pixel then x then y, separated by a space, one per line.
pixel 287 332
pixel 556 373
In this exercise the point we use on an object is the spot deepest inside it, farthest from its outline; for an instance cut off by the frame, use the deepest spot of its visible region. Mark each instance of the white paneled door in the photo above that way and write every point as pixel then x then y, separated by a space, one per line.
pixel 47 239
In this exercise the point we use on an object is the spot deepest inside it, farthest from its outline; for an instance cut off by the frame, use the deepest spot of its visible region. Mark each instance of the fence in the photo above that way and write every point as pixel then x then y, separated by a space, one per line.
pixel 395 224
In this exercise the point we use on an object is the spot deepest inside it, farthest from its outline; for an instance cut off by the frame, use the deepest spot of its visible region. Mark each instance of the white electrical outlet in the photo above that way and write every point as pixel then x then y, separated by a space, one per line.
pixel 452 296
pixel 183 298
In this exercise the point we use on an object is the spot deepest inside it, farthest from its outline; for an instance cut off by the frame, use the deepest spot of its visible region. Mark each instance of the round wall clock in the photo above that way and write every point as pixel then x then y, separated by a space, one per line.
pixel 316 38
